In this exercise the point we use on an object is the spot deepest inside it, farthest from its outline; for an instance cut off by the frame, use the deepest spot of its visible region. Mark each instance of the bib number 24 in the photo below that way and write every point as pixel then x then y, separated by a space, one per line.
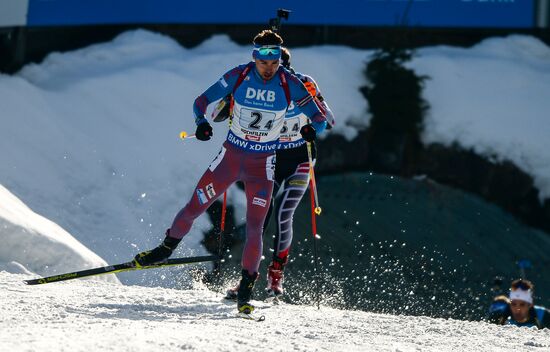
pixel 257 120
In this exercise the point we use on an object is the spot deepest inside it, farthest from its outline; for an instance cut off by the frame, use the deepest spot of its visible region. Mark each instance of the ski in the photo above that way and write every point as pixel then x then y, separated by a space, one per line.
pixel 118 268
pixel 251 316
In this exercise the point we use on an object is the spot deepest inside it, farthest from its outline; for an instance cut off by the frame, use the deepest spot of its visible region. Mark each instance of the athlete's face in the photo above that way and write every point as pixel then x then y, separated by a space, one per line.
pixel 267 68
pixel 520 310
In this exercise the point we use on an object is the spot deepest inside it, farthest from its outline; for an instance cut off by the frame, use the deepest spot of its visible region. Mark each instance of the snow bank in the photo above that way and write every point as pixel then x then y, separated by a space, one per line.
pixel 33 243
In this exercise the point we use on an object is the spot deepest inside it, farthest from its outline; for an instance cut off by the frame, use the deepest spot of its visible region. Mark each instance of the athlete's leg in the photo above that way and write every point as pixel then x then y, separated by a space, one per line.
pixel 258 183
pixel 276 186
pixel 221 173
pixel 285 205
pixel 284 168
pixel 257 175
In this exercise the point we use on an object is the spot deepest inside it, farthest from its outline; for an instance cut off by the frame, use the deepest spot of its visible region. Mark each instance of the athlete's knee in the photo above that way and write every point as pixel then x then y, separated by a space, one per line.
pixel 184 219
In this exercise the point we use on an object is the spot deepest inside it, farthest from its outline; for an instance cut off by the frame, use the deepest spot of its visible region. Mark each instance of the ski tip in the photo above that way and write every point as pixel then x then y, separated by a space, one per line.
pixel 251 317
pixel 32 282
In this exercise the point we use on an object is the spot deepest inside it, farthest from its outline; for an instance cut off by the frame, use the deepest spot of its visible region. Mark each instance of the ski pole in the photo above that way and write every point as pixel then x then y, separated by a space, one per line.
pixel 315 237
pixel 312 179
pixel 222 231
pixel 184 135
pixel 314 212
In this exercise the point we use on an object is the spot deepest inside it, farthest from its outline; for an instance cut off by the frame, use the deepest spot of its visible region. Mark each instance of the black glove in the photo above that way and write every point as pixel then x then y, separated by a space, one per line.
pixel 308 132
pixel 204 131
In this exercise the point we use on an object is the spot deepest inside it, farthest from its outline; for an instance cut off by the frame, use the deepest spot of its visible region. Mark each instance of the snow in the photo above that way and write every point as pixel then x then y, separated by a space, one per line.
pixel 89 138
pixel 92 171
pixel 492 98
pixel 32 243
pixel 81 316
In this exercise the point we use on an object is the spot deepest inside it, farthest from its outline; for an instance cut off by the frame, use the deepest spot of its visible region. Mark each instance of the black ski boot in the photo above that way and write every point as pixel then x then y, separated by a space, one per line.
pixel 244 294
pixel 158 254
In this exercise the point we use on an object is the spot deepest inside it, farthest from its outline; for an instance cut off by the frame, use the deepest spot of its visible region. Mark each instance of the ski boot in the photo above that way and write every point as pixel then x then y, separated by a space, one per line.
pixel 244 293
pixel 158 254
pixel 275 277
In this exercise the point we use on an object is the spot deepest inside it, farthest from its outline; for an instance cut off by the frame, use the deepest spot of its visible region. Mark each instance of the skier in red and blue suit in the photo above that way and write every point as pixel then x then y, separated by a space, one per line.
pixel 291 178
pixel 262 92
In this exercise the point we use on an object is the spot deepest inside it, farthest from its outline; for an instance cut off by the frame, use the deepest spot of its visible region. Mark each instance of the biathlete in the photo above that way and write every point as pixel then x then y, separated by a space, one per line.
pixel 262 91
pixel 291 176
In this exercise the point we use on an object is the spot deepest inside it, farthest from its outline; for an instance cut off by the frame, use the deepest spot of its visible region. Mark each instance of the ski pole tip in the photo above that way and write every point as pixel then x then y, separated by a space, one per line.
pixel 318 210
pixel 184 135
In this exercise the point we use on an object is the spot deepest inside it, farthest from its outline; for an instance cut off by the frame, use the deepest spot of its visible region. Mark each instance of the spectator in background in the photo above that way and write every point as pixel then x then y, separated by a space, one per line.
pixel 518 308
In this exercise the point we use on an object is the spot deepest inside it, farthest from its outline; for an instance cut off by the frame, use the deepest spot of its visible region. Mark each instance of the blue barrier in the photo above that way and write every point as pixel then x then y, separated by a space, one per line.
pixel 423 13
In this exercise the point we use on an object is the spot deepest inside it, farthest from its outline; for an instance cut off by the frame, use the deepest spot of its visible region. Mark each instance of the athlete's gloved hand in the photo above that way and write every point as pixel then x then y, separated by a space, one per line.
pixel 319 126
pixel 308 132
pixel 204 130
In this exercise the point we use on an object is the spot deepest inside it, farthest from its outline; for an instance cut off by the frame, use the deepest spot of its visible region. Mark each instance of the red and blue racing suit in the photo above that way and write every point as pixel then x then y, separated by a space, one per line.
pixel 248 154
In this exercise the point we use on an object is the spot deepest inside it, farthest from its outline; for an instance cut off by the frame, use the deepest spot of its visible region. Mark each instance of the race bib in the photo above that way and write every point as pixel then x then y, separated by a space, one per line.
pixel 257 120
